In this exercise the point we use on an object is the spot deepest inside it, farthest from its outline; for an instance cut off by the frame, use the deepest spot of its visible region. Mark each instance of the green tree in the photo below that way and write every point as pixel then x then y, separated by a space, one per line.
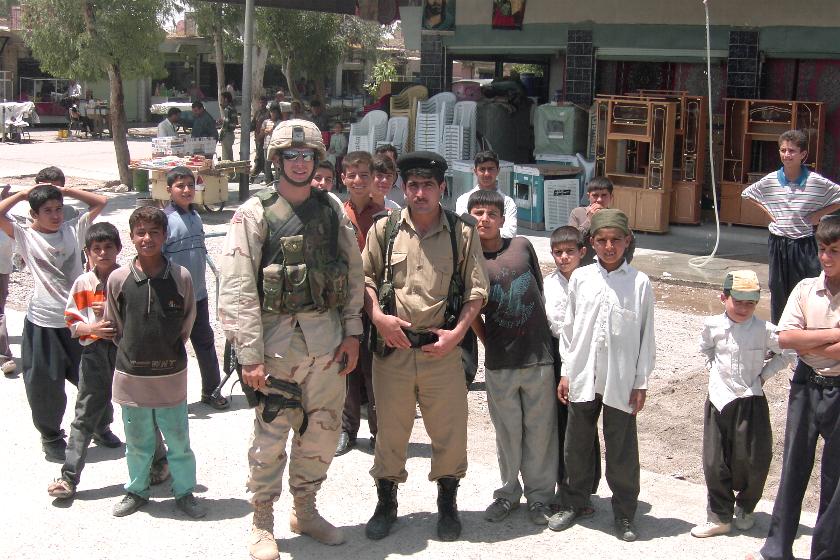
pixel 383 71
pixel 221 22
pixel 97 39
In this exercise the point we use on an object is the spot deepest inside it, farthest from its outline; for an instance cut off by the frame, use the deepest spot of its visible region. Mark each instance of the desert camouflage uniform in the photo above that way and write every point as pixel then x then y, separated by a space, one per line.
pixel 297 348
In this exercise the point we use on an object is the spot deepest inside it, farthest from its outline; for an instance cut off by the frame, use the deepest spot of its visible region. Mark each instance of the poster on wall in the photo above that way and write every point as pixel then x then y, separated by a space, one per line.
pixel 439 15
pixel 508 14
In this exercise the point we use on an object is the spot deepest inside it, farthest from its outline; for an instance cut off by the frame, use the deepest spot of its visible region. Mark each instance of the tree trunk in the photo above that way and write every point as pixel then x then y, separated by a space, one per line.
pixel 119 127
pixel 258 61
pixel 320 90
pixel 288 71
pixel 117 103
pixel 218 47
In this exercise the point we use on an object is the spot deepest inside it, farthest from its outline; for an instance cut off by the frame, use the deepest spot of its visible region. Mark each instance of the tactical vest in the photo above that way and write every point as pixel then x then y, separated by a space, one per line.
pixel 301 268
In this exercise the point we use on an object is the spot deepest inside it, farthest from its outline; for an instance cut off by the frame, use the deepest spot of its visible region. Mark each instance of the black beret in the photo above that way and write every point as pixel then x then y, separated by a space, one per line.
pixel 422 160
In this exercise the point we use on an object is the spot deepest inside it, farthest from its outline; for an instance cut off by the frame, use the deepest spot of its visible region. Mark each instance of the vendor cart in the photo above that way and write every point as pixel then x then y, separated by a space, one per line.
pixel 211 183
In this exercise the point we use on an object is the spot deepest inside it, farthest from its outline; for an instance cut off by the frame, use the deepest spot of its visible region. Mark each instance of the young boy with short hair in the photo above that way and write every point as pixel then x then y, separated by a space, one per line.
pixel 396 195
pixel 737 439
pixel 384 175
pixel 608 352
pixel 794 198
pixel 809 326
pixel 361 210
pixel 599 190
pixel 50 248
pixel 568 251
pixel 486 168
pixel 151 305
pixel 324 179
pixel 185 246
pixel 519 365
pixel 84 316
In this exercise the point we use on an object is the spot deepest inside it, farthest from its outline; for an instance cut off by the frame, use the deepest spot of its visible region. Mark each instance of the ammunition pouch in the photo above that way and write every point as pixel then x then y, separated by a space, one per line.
pixel 301 270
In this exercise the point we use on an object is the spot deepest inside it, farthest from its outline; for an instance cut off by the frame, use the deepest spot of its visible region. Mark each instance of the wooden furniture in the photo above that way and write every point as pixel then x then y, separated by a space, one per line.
pixel 690 149
pixel 634 148
pixel 750 149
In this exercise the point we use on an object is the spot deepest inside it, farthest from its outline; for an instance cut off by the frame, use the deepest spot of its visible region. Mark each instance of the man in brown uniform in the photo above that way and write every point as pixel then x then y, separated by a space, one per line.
pixel 424 365
pixel 290 300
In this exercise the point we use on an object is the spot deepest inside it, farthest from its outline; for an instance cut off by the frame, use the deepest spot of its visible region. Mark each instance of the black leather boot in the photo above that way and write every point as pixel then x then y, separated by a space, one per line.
pixel 449 525
pixel 386 510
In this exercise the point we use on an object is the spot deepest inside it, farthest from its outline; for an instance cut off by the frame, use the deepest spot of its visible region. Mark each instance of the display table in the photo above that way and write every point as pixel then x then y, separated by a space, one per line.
pixel 211 183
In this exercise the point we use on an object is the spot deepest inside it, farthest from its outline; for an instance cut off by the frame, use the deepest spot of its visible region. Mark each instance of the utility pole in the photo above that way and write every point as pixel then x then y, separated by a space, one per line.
pixel 245 120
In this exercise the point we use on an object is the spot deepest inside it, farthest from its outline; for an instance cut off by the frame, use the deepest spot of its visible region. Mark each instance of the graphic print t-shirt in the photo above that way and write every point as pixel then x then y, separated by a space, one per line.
pixel 516 329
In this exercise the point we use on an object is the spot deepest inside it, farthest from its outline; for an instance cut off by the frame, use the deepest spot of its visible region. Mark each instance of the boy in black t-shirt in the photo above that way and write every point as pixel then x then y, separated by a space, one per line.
pixel 519 366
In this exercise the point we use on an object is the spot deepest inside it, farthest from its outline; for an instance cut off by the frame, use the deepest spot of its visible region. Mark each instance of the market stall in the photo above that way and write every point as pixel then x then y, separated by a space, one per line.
pixel 197 154
pixel 15 118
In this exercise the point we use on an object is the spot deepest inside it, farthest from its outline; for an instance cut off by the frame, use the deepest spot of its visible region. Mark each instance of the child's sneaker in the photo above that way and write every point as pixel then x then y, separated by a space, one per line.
pixel 711 529
pixel 129 504
pixel 539 513
pixel 499 510
pixel 189 505
pixel 61 489
pixel 743 521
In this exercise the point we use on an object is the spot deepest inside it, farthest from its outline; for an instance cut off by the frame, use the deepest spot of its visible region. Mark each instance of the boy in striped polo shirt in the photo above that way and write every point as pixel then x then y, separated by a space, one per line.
pixel 795 198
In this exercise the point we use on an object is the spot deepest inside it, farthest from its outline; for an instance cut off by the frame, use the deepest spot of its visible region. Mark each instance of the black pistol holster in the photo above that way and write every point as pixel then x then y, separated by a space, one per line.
pixel 274 403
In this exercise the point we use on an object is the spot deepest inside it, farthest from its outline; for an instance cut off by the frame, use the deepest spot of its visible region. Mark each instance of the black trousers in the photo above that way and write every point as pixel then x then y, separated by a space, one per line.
pixel 790 260
pixel 813 411
pixel 93 404
pixel 50 358
pixel 204 344
pixel 361 379
pixel 622 456
pixel 737 449
pixel 562 421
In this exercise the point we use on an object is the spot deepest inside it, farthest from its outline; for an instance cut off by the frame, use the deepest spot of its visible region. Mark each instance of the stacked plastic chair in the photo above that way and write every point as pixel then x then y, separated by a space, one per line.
pixel 365 134
pixel 459 139
pixel 397 134
pixel 404 104
pixel 432 116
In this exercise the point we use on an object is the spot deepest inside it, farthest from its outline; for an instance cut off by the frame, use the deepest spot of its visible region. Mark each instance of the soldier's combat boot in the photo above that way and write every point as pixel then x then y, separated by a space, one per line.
pixel 386 510
pixel 448 525
pixel 305 520
pixel 261 543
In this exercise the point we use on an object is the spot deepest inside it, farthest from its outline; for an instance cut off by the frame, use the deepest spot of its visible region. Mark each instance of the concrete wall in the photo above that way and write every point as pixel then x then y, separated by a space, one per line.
pixel 738 13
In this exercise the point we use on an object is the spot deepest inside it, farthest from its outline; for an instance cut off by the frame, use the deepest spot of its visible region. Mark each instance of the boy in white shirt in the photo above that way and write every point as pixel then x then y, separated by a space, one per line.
pixel 737 440
pixel 568 250
pixel 608 352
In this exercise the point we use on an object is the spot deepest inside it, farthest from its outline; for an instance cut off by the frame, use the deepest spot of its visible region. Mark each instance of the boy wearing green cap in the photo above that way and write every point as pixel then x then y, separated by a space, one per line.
pixel 608 351
pixel 737 440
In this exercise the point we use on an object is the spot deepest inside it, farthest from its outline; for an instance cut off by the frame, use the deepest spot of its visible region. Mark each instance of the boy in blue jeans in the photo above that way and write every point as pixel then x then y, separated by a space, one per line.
pixel 151 305
pixel 185 246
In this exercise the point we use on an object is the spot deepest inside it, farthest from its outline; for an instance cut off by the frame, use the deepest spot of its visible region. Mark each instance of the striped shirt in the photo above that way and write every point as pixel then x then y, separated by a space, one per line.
pixel 790 202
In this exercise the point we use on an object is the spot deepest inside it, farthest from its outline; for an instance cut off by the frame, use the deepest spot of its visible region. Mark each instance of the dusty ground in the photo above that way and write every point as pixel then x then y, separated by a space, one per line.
pixel 670 427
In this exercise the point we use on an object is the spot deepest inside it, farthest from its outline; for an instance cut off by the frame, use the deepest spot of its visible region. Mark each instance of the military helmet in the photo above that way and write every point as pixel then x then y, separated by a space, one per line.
pixel 297 133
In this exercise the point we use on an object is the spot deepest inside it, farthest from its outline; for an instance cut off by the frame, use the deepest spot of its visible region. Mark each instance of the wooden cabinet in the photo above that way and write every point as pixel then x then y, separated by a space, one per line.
pixel 750 148
pixel 634 148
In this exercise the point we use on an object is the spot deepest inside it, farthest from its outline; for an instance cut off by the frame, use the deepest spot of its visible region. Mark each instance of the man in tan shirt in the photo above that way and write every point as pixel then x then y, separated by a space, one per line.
pixel 290 300
pixel 424 365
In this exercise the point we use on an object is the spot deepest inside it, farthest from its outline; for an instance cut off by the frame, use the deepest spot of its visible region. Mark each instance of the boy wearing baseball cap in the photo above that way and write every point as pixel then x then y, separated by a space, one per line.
pixel 737 440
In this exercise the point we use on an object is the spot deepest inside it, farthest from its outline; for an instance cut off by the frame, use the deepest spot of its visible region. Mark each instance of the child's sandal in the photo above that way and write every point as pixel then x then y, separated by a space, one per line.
pixel 61 489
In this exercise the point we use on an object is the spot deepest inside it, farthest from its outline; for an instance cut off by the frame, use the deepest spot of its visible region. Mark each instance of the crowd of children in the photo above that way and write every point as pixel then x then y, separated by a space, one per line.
pixel 561 351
